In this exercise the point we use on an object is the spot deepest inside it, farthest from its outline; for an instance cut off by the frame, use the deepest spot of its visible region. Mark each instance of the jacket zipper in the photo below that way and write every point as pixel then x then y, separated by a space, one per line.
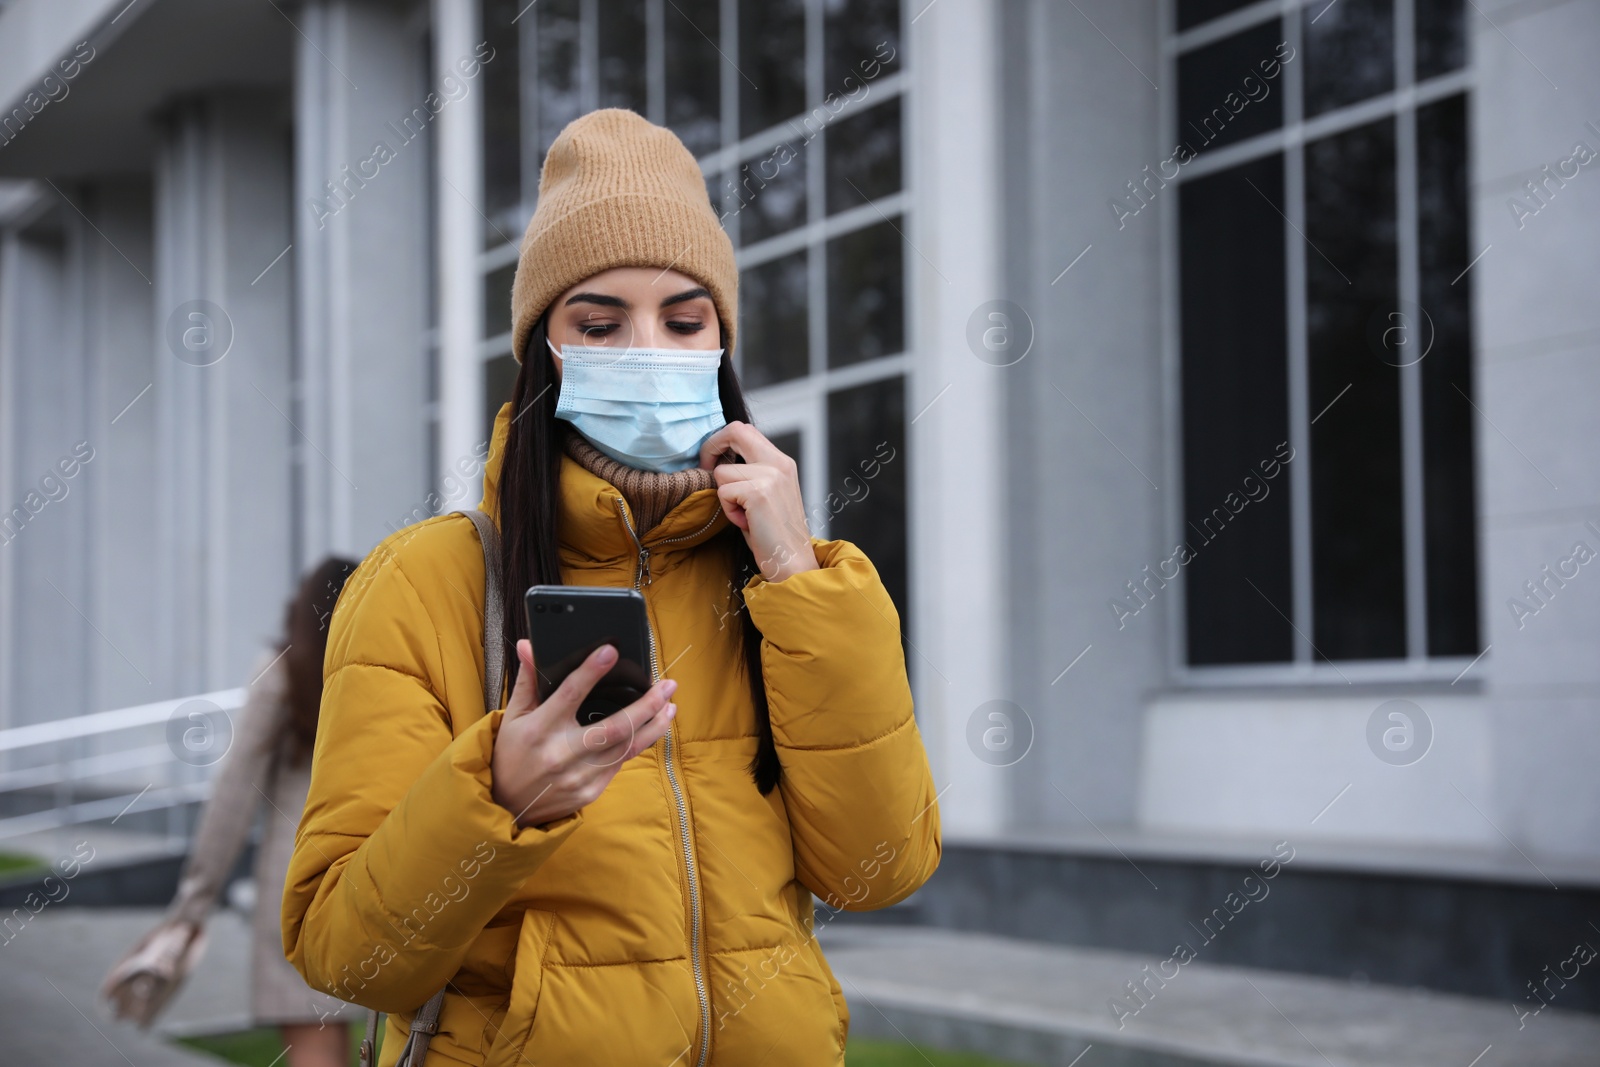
pixel 642 577
pixel 644 553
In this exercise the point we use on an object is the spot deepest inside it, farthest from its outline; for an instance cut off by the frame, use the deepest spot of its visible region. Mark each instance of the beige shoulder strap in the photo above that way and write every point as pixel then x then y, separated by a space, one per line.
pixel 426 1022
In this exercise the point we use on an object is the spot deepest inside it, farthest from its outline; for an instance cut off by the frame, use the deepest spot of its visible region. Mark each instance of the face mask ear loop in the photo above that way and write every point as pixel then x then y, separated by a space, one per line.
pixel 551 347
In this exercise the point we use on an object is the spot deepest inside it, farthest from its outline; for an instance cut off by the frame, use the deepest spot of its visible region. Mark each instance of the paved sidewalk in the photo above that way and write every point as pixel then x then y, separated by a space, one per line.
pixel 1036 1003
pixel 1048 1004
pixel 50 974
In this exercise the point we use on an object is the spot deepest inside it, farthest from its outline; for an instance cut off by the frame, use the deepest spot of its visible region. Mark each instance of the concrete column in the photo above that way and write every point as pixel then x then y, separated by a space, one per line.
pixel 122 481
pixel 1084 447
pixel 44 414
pixel 363 133
pixel 459 164
pixel 76 579
pixel 226 427
pixel 1536 221
pixel 954 439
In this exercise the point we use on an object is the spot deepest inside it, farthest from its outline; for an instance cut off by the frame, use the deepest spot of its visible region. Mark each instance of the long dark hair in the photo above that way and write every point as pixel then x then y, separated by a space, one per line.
pixel 303 647
pixel 530 514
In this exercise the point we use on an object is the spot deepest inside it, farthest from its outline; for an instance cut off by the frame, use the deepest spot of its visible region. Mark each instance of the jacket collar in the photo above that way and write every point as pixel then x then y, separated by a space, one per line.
pixel 591 524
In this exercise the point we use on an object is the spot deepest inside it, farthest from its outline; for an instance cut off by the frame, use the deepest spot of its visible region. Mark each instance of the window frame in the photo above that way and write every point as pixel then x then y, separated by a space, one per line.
pixel 1289 140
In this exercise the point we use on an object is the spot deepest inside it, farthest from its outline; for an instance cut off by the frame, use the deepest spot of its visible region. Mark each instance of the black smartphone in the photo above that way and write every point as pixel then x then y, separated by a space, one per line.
pixel 567 622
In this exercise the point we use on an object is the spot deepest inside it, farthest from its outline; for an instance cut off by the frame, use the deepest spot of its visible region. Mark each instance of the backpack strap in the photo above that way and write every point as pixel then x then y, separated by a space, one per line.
pixel 494 611
pixel 426 1021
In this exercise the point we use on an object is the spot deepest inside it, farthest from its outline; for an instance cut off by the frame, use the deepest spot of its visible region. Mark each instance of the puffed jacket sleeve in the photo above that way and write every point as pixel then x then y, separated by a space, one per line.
pixel 402 855
pixel 862 807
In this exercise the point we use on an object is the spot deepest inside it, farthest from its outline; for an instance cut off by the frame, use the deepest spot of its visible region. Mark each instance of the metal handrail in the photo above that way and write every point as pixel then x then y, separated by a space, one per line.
pixel 105 721
pixel 178 784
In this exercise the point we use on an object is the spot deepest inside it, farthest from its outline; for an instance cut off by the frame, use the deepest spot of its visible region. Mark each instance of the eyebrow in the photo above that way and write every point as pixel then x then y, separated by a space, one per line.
pixel 606 300
pixel 687 294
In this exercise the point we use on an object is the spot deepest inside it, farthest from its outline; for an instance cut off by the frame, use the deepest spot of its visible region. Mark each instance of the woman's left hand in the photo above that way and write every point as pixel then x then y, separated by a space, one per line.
pixel 762 498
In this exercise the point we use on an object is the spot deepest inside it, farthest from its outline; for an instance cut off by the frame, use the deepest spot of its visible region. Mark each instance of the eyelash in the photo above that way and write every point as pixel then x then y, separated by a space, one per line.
pixel 601 329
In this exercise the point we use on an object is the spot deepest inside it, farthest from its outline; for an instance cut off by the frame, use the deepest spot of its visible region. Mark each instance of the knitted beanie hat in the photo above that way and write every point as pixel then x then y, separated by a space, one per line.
pixel 619 191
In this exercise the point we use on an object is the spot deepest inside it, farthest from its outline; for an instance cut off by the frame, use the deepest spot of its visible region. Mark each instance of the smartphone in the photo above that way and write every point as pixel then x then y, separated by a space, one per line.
pixel 567 622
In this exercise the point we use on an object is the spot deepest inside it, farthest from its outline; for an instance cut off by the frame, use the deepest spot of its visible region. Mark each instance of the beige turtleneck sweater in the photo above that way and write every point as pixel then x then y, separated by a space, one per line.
pixel 650 494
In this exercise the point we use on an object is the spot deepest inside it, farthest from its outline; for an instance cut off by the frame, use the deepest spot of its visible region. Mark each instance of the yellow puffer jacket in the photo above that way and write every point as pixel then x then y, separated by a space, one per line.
pixel 668 922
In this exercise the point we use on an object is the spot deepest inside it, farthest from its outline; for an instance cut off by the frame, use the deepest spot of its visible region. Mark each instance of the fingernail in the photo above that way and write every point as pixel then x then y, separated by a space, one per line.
pixel 672 710
pixel 669 687
pixel 607 653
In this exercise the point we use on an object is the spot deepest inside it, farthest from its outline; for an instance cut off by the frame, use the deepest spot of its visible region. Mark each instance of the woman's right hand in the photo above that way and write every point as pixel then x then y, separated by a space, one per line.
pixel 545 765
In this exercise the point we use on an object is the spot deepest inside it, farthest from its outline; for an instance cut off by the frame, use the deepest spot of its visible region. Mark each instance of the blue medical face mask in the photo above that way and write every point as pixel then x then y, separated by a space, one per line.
pixel 646 407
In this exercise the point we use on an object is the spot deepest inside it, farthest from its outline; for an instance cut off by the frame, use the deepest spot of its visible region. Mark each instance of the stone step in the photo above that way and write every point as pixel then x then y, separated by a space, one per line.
pixel 1051 1004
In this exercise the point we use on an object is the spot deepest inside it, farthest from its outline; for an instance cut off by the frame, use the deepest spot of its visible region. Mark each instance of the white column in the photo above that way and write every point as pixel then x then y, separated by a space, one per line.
pixel 458 165
pixel 221 385
pixel 75 560
pixel 10 301
pixel 44 533
pixel 121 481
pixel 957 472
pixel 1536 226
pixel 363 131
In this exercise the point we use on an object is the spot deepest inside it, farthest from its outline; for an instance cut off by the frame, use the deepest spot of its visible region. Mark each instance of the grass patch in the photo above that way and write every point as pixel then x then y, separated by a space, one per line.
pixel 864 1053
pixel 13 864
pixel 262 1047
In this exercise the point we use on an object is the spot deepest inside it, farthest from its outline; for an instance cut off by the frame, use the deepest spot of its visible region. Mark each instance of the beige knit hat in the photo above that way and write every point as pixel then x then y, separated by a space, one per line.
pixel 619 191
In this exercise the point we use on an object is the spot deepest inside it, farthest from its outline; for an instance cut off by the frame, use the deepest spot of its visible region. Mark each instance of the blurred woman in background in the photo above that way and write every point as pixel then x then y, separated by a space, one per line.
pixel 269 760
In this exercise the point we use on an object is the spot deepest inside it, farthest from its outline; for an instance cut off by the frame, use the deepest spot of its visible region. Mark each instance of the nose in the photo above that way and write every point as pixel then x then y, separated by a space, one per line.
pixel 649 334
pixel 645 335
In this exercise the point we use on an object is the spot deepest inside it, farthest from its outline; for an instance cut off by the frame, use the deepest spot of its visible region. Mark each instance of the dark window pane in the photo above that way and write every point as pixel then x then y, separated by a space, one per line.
pixel 1441 37
pixel 497 300
pixel 772 59
pixel 714 182
pixel 1358 573
pixel 499 377
pixel 1235 420
pixel 864 156
pixel 861 42
pixel 502 123
pixel 867 479
pixel 1349 52
pixel 774 340
pixel 866 294
pixel 557 88
pixel 1442 241
pixel 768 193
pixel 1194 12
pixel 789 444
pixel 694 73
pixel 1232 89
pixel 622 62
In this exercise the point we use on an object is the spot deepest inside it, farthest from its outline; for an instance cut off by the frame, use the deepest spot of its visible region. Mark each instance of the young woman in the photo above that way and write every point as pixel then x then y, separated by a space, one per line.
pixel 638 892
pixel 267 768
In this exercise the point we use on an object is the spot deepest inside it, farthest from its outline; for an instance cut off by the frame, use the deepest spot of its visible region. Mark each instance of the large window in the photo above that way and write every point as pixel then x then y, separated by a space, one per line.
pixel 795 110
pixel 1322 249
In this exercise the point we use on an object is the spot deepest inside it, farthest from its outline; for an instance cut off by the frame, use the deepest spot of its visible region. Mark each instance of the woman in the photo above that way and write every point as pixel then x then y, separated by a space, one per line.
pixel 639 892
pixel 269 760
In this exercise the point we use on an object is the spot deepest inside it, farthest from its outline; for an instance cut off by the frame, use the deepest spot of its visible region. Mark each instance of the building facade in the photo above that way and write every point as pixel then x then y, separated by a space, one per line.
pixel 1210 380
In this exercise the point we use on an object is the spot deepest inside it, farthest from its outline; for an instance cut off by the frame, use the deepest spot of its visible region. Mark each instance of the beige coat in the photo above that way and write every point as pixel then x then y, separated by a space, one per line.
pixel 255 775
